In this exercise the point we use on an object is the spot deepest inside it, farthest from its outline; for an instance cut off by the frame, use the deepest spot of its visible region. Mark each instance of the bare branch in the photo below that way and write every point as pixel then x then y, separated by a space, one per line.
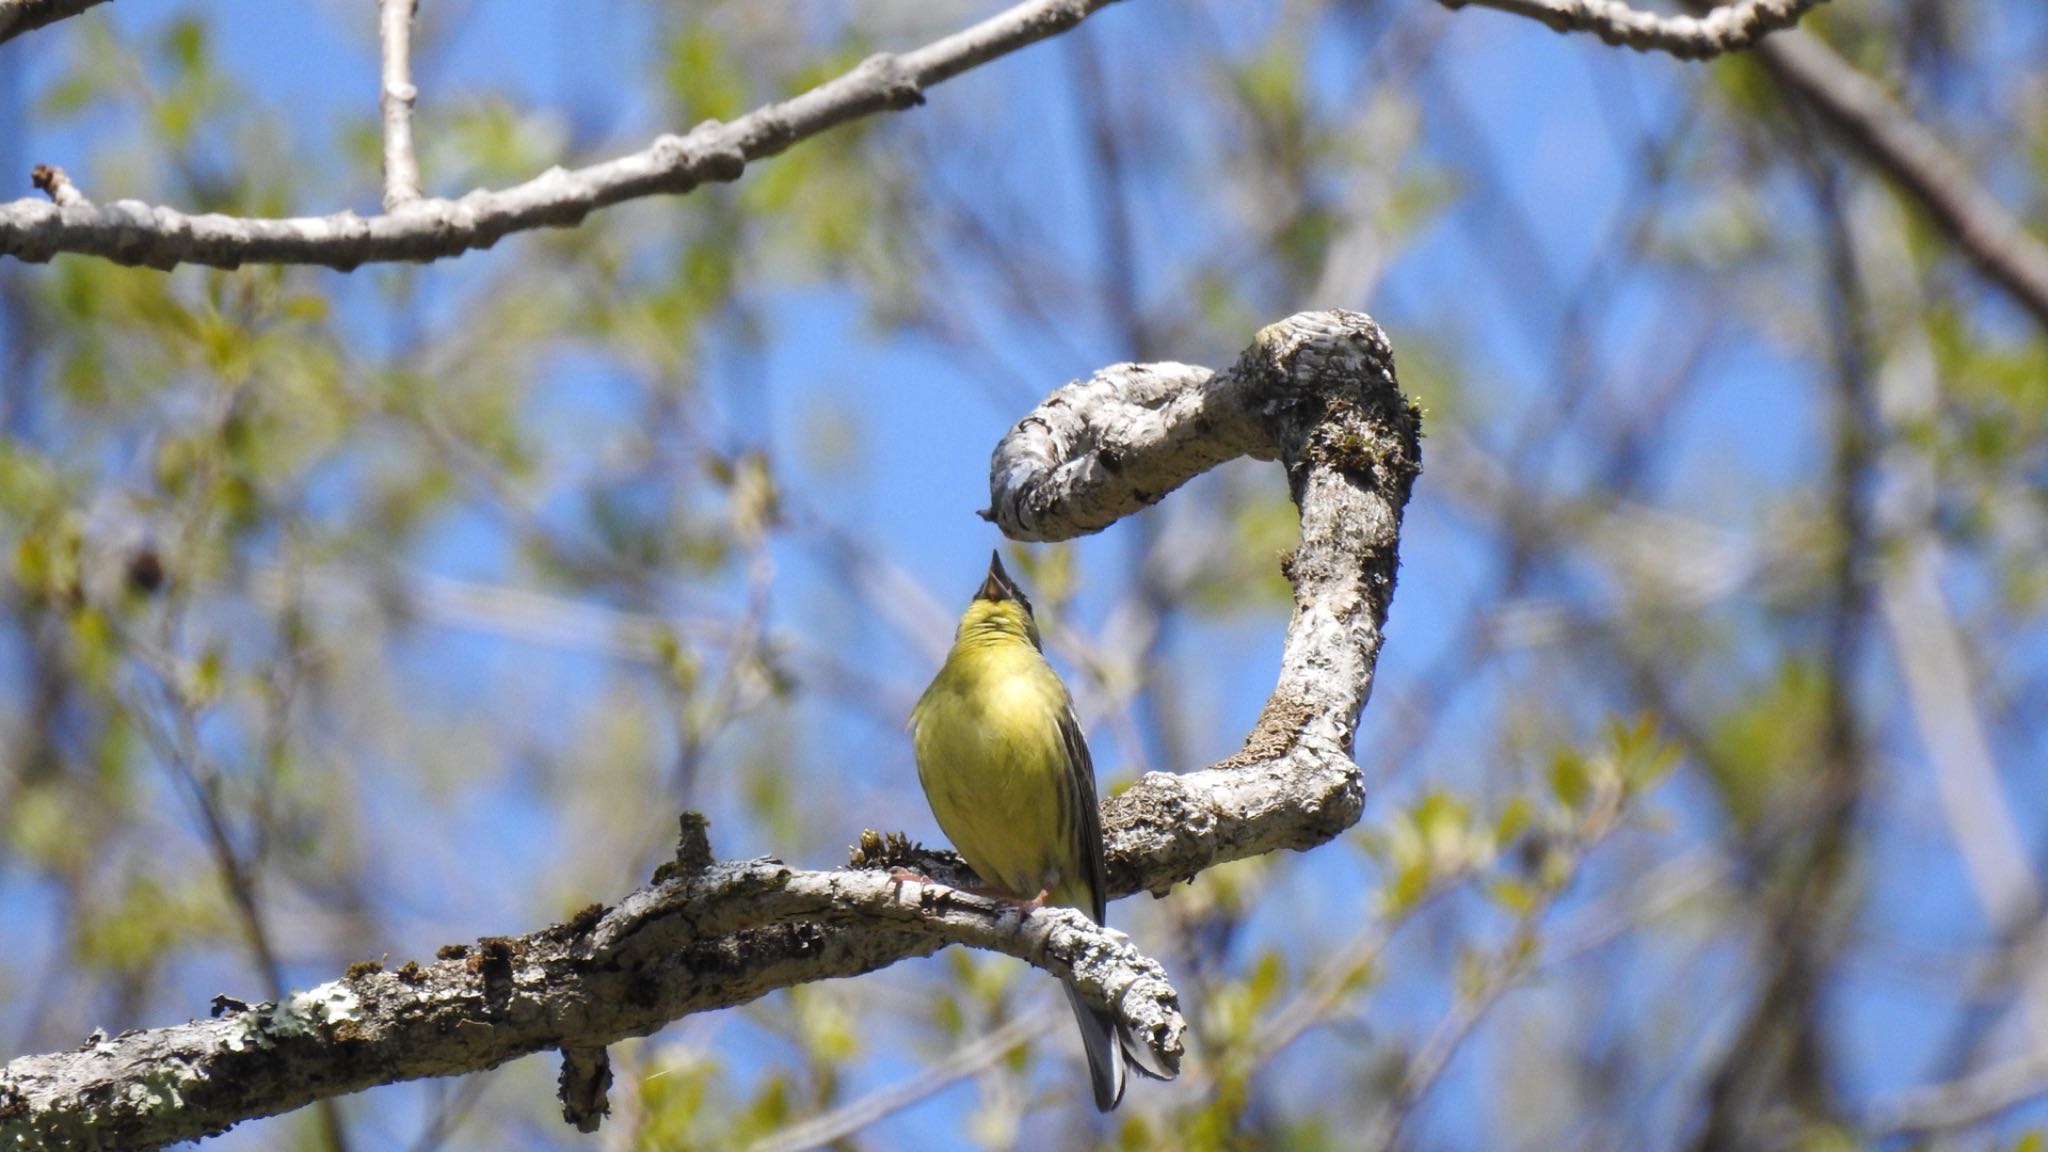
pixel 19 16
pixel 395 101
pixel 1730 28
pixel 133 232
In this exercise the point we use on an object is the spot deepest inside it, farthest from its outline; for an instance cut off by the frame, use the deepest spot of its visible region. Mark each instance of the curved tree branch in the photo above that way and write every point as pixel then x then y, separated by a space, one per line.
pixel 1316 391
pixel 132 232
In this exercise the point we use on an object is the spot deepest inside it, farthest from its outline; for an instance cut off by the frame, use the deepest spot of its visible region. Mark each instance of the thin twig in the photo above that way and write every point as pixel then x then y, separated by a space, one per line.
pixel 1517 958
pixel 395 101
pixel 1312 1004
pixel 1961 1103
pixel 1928 645
pixel 969 1059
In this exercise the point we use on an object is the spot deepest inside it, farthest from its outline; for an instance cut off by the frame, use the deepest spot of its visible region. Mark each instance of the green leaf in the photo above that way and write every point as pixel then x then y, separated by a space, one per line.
pixel 1571 778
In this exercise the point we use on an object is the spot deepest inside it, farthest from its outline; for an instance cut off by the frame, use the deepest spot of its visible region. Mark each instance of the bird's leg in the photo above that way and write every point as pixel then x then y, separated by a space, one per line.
pixel 900 875
pixel 1023 906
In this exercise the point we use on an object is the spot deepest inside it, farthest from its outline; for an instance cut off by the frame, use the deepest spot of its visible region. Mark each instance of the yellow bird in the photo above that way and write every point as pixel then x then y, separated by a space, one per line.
pixel 1007 773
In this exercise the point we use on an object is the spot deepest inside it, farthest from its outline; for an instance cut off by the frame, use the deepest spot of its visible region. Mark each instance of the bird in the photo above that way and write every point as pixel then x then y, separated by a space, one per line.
pixel 1005 768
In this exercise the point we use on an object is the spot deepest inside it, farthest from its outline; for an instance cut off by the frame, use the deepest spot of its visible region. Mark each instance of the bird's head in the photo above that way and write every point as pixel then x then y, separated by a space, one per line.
pixel 999 608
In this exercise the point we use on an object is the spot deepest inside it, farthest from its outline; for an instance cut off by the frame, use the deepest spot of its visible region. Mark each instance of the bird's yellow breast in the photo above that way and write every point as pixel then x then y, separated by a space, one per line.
pixel 995 768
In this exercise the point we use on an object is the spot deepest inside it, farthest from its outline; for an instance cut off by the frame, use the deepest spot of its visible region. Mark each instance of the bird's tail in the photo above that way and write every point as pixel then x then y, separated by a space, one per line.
pixel 1111 1048
pixel 1105 1054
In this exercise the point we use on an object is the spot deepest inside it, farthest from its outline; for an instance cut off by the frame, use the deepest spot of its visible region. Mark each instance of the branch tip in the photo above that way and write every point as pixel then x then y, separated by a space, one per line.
pixel 693 842
pixel 53 182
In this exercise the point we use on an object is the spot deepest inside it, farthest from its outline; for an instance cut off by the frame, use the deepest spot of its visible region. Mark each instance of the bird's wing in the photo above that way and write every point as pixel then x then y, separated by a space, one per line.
pixel 1088 828
pixel 1106 1061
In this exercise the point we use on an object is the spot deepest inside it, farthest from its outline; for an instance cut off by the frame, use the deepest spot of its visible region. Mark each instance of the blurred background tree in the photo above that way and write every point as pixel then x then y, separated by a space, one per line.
pixel 348 615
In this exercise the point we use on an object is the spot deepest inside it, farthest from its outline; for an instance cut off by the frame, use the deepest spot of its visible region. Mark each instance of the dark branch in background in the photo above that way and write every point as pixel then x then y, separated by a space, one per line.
pixel 133 232
pixel 18 16
pixel 1915 160
pixel 1316 391
pixel 1778 1064
pixel 1730 28
pixel 1910 155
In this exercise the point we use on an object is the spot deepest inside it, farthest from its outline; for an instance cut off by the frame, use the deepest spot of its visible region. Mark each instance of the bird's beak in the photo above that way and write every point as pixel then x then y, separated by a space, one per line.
pixel 998 587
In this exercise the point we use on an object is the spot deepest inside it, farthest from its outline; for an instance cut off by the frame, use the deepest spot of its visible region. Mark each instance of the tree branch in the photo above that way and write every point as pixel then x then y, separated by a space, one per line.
pixel 709 939
pixel 1974 1099
pixel 395 100
pixel 1317 391
pixel 19 16
pixel 1915 160
pixel 133 232
pixel 1730 28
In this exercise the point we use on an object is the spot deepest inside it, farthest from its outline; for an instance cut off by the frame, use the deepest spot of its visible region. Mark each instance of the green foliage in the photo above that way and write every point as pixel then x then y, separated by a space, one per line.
pixel 144 922
pixel 702 77
pixel 1764 749
pixel 680 1099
